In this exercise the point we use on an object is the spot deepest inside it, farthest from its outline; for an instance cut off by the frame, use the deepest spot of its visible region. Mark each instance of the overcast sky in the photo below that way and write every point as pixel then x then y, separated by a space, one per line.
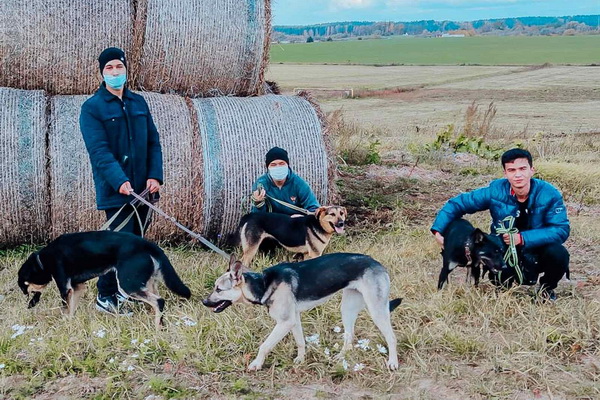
pixel 302 12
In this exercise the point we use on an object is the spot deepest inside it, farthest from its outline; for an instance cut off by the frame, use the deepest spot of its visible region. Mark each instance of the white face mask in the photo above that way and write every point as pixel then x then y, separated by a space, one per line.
pixel 279 173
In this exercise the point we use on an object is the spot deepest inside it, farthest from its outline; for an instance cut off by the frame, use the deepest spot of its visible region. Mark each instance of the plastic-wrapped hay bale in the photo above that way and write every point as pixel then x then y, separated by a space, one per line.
pixel 203 47
pixel 236 134
pixel 71 184
pixel 180 194
pixel 73 195
pixel 54 44
pixel 24 215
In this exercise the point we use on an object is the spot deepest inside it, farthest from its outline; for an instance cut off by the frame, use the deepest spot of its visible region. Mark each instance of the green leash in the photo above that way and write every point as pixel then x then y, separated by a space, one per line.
pixel 510 257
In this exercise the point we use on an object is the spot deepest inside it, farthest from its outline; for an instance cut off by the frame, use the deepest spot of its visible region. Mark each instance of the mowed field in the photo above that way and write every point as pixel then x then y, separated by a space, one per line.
pixel 479 50
pixel 458 343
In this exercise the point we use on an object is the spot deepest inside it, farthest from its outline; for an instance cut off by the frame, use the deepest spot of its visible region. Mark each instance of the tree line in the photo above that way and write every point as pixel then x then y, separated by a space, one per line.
pixel 530 26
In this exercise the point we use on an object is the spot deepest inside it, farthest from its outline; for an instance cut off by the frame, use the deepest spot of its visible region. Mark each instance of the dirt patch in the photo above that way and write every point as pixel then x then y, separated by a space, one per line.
pixel 390 174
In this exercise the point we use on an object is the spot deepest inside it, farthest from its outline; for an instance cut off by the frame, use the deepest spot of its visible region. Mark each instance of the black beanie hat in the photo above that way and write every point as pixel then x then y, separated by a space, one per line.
pixel 112 53
pixel 276 153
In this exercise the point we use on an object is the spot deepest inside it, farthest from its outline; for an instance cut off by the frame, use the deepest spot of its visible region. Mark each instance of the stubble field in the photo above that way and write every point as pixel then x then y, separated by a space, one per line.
pixel 458 343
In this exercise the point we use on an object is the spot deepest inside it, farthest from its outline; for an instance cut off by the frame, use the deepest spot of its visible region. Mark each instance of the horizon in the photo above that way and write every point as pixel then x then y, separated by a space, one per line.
pixel 318 12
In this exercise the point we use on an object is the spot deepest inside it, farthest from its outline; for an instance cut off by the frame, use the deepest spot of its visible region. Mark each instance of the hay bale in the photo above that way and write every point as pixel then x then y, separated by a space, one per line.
pixel 23 180
pixel 182 160
pixel 73 199
pixel 213 150
pixel 54 44
pixel 73 194
pixel 236 133
pixel 203 47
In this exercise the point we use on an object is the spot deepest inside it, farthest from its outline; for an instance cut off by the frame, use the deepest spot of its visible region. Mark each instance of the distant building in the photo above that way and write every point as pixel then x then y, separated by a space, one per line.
pixel 453 35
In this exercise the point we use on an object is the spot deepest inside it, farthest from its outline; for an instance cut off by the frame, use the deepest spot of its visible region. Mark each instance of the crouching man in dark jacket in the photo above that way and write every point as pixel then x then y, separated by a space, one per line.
pixel 539 215
pixel 124 149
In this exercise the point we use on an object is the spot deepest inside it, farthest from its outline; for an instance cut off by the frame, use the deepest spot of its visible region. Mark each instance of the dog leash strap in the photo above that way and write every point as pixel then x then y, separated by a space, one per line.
pixel 283 203
pixel 180 226
pixel 133 202
pixel 288 205
pixel 511 257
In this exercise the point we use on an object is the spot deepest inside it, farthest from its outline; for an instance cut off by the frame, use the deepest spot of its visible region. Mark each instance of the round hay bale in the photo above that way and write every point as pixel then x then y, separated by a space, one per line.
pixel 24 215
pixel 73 194
pixel 203 48
pixel 236 133
pixel 73 199
pixel 182 161
pixel 54 44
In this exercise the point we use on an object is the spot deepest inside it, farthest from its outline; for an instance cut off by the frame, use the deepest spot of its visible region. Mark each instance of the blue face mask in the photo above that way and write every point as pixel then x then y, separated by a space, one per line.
pixel 279 173
pixel 116 82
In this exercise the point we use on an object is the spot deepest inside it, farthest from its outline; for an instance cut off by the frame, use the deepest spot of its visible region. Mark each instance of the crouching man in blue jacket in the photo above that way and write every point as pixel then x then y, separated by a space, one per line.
pixel 539 215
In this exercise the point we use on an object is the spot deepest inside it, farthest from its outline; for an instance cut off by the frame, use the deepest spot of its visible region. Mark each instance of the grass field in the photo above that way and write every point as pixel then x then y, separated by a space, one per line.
pixel 459 343
pixel 482 50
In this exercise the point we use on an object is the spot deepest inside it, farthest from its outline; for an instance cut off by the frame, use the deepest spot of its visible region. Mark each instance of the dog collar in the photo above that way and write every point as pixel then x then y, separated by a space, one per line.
pixel 37 258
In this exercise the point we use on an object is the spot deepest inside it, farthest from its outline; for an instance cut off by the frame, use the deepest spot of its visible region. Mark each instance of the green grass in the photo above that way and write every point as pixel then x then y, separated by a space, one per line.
pixel 483 50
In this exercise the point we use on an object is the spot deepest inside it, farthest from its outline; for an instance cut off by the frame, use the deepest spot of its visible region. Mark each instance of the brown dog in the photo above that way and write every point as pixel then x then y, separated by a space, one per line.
pixel 307 235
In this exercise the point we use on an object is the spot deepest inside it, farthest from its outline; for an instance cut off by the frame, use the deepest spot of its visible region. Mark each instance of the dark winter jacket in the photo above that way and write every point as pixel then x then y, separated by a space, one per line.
pixel 122 142
pixel 547 214
pixel 295 191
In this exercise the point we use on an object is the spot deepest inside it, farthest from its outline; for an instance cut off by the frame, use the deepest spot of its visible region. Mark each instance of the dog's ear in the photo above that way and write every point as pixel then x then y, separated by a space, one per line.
pixel 478 236
pixel 232 260
pixel 236 271
pixel 320 210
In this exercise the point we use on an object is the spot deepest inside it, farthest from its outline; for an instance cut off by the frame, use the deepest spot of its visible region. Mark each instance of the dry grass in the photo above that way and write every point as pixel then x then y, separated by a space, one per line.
pixel 458 343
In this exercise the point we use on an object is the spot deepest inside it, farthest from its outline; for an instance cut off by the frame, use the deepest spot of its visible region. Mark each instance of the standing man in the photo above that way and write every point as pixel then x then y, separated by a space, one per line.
pixel 539 215
pixel 281 185
pixel 124 149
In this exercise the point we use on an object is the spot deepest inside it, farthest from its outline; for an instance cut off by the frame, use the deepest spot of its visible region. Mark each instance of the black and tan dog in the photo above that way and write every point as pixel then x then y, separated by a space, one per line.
pixel 307 235
pixel 74 258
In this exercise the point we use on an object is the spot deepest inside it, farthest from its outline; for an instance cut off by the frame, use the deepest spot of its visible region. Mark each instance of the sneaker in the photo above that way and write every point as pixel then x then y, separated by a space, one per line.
pixel 126 299
pixel 111 305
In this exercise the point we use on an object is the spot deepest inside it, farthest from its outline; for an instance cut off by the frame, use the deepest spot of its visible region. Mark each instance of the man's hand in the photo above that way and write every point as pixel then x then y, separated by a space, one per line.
pixel 440 239
pixel 153 185
pixel 126 188
pixel 258 195
pixel 518 239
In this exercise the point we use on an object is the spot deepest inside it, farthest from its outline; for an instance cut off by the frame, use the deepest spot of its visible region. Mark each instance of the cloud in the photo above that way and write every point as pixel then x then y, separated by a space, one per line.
pixel 349 4
pixel 464 3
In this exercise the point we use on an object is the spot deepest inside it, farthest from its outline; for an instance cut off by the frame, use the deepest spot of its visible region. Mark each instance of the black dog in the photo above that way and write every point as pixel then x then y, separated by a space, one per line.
pixel 74 258
pixel 466 246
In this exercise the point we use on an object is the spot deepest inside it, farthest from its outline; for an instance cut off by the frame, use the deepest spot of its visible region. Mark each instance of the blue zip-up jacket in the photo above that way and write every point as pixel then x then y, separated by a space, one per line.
pixel 123 144
pixel 295 191
pixel 548 221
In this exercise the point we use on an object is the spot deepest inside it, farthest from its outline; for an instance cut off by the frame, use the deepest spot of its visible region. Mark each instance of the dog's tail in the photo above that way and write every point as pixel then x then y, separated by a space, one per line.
pixel 171 278
pixel 395 303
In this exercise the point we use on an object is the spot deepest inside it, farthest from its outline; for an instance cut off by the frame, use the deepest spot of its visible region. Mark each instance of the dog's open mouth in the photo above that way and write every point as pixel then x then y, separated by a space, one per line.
pixel 35 299
pixel 338 228
pixel 221 306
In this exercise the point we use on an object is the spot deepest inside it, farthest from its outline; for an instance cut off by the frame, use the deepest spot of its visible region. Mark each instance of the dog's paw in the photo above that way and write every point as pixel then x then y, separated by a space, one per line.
pixel 299 360
pixel 254 366
pixel 392 364
pixel 340 356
